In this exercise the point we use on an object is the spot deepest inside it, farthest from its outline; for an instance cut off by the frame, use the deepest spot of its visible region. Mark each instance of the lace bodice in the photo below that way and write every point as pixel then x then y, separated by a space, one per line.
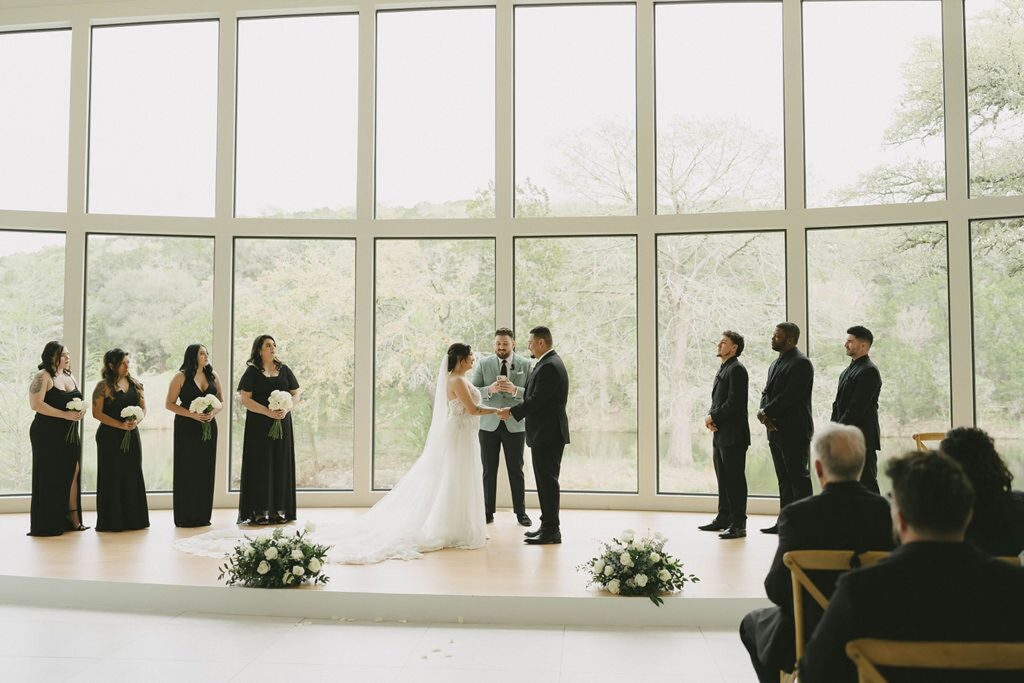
pixel 457 409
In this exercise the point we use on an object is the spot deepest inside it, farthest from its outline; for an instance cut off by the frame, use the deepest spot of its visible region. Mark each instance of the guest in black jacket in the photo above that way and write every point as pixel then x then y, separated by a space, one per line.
pixel 857 399
pixel 844 516
pixel 727 419
pixel 786 414
pixel 934 587
pixel 997 526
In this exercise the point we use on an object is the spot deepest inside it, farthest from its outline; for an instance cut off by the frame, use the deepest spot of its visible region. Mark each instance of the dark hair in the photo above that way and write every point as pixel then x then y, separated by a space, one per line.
pixel 932 491
pixel 541 332
pixel 862 333
pixel 111 362
pixel 51 358
pixel 975 451
pixel 457 352
pixel 504 332
pixel 255 359
pixel 791 330
pixel 190 364
pixel 736 338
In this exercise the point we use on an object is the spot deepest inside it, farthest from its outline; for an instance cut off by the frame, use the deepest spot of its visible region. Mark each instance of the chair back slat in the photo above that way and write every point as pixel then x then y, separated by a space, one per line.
pixel 870 653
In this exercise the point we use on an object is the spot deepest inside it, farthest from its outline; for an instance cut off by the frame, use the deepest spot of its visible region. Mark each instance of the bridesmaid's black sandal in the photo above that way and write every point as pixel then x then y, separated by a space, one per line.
pixel 71 526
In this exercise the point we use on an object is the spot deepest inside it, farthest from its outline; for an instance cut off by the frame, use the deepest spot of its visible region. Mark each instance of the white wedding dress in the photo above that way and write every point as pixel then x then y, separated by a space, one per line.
pixel 439 503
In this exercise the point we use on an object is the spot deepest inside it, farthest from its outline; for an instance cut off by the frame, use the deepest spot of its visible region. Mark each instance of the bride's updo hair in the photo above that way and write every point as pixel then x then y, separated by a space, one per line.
pixel 457 352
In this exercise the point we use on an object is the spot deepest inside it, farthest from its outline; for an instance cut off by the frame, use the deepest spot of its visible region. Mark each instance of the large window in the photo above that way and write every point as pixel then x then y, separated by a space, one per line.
pixel 893 280
pixel 995 111
pixel 302 293
pixel 719 106
pixel 997 266
pixel 35 77
pixel 296 117
pixel 873 102
pixel 435 114
pixel 153 119
pixel 429 294
pixel 708 284
pixel 584 289
pixel 31 314
pixel 152 297
pixel 575 110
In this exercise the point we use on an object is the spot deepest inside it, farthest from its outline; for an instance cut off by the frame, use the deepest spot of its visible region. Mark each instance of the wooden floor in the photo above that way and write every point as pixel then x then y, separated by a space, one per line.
pixel 505 567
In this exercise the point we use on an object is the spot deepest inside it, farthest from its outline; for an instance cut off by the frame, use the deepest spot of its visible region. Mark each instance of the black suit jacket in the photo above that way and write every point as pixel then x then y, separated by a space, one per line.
pixel 786 398
pixel 729 404
pixel 857 400
pixel 844 516
pixel 543 406
pixel 923 591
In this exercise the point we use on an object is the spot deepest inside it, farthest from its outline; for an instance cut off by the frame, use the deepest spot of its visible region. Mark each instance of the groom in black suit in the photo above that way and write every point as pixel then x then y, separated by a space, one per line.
pixel 857 399
pixel 547 430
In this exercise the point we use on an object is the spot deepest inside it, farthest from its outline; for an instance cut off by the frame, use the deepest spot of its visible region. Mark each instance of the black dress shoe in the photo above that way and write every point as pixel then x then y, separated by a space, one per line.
pixel 524 519
pixel 545 539
pixel 773 529
pixel 490 518
pixel 734 533
pixel 533 534
pixel 713 526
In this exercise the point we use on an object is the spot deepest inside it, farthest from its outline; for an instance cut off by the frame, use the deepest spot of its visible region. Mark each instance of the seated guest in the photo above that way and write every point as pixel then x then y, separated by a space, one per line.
pixel 844 516
pixel 997 526
pixel 934 587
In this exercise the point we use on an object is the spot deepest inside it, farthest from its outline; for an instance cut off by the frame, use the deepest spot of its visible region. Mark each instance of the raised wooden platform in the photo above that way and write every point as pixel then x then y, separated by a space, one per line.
pixel 505 582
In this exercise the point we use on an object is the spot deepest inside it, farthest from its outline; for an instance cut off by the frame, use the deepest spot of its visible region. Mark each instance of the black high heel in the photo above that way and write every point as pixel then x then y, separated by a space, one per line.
pixel 71 526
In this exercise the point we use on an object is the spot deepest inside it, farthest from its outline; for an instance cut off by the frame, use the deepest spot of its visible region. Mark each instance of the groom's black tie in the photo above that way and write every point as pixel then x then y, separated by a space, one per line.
pixel 504 368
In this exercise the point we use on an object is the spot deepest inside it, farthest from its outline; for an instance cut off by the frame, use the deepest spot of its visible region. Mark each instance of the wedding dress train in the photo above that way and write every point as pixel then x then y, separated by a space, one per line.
pixel 439 503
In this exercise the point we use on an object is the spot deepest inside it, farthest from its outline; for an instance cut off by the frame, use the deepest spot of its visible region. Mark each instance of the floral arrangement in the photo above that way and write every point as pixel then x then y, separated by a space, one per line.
pixel 77 405
pixel 204 405
pixel 130 414
pixel 637 566
pixel 279 400
pixel 276 561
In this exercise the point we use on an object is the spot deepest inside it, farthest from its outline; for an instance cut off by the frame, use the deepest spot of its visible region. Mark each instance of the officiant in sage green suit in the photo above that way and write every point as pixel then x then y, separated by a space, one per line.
pixel 501 379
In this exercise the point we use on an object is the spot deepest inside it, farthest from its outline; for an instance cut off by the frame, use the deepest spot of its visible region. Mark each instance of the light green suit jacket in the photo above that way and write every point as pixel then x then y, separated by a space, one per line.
pixel 484 375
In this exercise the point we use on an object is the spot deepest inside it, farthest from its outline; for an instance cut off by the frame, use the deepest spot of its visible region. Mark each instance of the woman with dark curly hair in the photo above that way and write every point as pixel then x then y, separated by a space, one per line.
pixel 997 526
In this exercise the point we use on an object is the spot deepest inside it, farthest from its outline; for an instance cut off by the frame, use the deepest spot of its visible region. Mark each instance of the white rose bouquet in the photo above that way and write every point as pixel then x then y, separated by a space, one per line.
pixel 205 405
pixel 279 400
pixel 77 405
pixel 276 561
pixel 637 566
pixel 130 414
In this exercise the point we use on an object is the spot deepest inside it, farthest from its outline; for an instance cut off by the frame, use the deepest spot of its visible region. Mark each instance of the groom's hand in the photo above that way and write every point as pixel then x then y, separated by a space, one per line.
pixel 504 414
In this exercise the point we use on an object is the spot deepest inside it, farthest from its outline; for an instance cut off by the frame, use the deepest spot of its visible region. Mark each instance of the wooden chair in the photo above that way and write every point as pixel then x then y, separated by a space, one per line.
pixel 800 561
pixel 870 653
pixel 921 437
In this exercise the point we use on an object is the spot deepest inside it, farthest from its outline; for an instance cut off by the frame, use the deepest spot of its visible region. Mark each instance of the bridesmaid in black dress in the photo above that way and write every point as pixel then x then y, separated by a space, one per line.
pixel 195 460
pixel 56 462
pixel 267 493
pixel 120 487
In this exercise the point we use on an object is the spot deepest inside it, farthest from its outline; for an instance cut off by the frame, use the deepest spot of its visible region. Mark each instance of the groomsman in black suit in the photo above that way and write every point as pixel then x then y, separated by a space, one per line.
pixel 786 414
pixel 727 420
pixel 547 430
pixel 857 399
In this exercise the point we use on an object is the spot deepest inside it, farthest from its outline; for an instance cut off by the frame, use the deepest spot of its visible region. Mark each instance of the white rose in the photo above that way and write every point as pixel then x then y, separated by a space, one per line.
pixel 263 568
pixel 640 580
pixel 627 535
pixel 613 586
pixel 314 565
pixel 248 552
pixel 608 570
pixel 626 560
pixel 298 570
pixel 663 575
pixel 309 528
pixel 297 554
pixel 599 566
pixel 631 581
pixel 655 558
pixel 271 553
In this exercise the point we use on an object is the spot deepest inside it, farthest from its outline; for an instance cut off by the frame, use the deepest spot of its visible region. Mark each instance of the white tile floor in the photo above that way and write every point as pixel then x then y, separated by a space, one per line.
pixel 43 644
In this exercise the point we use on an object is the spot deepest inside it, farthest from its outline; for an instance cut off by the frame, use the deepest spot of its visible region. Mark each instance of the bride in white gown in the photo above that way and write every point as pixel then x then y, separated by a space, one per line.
pixel 439 503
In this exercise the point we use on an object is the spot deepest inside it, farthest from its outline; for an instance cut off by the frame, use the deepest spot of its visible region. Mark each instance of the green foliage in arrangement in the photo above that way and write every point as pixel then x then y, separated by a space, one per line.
pixel 275 561
pixel 628 565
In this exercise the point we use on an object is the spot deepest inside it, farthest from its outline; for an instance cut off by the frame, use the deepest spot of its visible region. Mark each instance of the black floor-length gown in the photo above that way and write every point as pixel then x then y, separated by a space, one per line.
pixel 53 467
pixel 195 462
pixel 120 487
pixel 268 465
